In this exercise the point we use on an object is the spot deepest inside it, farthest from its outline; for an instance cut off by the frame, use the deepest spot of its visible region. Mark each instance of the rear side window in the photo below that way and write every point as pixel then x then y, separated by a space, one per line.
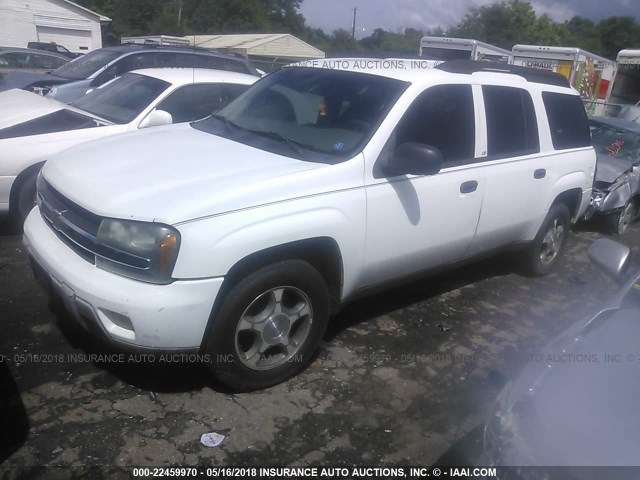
pixel 567 120
pixel 443 117
pixel 512 128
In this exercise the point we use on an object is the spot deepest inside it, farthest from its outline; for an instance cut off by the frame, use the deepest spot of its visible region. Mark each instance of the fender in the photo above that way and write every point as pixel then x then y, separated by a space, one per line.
pixel 617 198
pixel 211 247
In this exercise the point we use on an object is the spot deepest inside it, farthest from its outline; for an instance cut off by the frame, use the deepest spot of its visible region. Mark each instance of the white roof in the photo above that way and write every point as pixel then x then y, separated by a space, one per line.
pixel 425 74
pixel 562 50
pixel 102 18
pixel 275 45
pixel 466 42
pixel 628 53
pixel 185 76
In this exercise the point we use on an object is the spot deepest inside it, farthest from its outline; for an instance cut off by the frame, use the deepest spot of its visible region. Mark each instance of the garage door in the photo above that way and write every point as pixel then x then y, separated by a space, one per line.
pixel 79 41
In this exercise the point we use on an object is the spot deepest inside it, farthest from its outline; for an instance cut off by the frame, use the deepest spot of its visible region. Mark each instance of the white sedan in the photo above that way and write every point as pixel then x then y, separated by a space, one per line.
pixel 33 127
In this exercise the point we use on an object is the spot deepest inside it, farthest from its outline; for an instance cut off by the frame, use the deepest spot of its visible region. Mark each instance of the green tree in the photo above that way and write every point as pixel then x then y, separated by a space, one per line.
pixel 584 33
pixel 502 24
pixel 617 33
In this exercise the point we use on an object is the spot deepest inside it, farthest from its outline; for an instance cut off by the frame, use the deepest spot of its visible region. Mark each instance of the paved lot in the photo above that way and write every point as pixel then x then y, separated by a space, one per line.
pixel 389 386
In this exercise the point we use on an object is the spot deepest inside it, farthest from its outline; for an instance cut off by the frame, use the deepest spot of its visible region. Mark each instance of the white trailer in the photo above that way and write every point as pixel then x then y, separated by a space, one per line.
pixel 588 73
pixel 157 40
pixel 443 48
pixel 626 84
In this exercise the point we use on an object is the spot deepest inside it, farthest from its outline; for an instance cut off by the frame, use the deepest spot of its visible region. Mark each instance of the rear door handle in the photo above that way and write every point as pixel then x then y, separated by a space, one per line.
pixel 540 173
pixel 468 187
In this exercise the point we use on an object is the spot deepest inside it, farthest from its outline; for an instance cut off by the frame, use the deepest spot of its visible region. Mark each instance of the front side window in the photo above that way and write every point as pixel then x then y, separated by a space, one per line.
pixel 567 120
pixel 123 99
pixel 308 113
pixel 512 128
pixel 193 102
pixel 443 117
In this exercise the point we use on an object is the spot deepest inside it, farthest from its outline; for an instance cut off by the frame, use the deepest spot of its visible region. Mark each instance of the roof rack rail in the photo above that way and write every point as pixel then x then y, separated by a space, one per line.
pixel 530 74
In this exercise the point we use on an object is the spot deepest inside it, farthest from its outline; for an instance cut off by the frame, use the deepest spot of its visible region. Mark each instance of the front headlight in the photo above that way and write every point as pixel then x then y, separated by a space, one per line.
pixel 140 250
pixel 52 92
pixel 596 199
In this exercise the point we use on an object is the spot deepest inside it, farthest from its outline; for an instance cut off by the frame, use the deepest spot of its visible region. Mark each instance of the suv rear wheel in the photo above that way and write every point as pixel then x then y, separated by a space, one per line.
pixel 543 254
pixel 268 326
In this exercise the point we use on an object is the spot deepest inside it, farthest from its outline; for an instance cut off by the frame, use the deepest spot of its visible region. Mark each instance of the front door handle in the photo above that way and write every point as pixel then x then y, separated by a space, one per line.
pixel 468 187
pixel 540 173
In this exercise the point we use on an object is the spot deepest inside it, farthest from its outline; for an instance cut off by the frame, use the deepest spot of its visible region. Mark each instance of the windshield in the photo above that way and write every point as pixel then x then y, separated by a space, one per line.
pixel 616 142
pixel 85 66
pixel 123 99
pixel 309 113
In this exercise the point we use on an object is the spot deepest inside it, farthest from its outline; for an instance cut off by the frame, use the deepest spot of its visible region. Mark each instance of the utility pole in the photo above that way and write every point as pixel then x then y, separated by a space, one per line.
pixel 353 27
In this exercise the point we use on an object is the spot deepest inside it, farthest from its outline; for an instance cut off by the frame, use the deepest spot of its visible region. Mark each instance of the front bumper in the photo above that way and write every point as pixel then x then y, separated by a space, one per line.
pixel 124 311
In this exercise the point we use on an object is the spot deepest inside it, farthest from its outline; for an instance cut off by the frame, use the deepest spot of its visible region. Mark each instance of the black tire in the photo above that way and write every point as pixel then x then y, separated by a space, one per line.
pixel 25 198
pixel 619 223
pixel 233 349
pixel 546 249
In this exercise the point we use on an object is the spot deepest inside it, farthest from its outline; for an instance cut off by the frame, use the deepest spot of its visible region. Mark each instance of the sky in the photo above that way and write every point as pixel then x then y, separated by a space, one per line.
pixel 400 14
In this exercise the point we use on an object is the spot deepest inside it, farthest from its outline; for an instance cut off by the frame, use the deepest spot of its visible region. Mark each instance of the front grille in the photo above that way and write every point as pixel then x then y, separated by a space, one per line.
pixel 75 226
pixel 78 228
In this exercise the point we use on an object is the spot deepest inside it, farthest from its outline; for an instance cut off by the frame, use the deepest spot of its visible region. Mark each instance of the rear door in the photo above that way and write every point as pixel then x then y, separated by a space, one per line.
pixel 515 170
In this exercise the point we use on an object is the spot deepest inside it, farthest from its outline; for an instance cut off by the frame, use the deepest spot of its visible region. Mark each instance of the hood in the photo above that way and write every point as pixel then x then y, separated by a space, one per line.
pixel 25 114
pixel 174 174
pixel 27 79
pixel 576 403
pixel 609 168
pixel 19 106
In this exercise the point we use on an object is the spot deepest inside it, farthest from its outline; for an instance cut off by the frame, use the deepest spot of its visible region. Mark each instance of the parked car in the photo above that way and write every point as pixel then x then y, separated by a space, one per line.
pixel 72 81
pixel 616 189
pixel 27 60
pixel 53 47
pixel 33 127
pixel 574 405
pixel 239 235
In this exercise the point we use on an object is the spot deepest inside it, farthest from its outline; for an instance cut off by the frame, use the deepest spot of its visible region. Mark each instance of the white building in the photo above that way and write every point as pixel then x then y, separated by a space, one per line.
pixel 267 51
pixel 59 21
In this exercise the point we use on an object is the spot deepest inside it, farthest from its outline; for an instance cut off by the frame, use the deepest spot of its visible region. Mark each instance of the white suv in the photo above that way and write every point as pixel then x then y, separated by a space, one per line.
pixel 239 235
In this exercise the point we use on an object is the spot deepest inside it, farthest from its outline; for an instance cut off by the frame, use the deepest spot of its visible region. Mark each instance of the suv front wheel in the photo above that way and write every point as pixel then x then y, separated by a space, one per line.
pixel 543 254
pixel 268 326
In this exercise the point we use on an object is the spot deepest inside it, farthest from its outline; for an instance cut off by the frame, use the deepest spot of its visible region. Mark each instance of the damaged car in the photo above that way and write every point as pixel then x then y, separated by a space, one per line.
pixel 33 127
pixel 617 183
pixel 575 403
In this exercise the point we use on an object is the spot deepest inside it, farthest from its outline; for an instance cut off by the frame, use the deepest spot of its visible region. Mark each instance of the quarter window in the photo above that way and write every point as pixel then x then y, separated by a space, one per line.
pixel 511 122
pixel 567 120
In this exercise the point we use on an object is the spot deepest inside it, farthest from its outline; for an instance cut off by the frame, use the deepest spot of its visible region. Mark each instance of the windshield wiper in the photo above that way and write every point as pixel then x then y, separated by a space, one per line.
pixel 294 145
pixel 230 125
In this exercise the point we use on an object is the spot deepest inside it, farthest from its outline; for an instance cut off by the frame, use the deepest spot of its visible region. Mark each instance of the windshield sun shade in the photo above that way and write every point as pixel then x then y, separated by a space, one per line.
pixel 59 121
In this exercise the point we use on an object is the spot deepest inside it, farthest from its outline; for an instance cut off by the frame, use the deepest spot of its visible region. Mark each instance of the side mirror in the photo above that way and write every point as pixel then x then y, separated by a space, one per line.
pixel 414 159
pixel 610 256
pixel 156 118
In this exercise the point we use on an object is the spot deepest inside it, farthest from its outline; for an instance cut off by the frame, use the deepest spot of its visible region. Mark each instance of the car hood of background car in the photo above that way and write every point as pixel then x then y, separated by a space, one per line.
pixel 177 173
pixel 574 405
pixel 609 168
pixel 24 113
pixel 11 80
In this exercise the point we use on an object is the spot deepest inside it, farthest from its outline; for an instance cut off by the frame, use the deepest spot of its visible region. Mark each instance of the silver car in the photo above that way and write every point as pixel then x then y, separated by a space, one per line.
pixel 617 184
